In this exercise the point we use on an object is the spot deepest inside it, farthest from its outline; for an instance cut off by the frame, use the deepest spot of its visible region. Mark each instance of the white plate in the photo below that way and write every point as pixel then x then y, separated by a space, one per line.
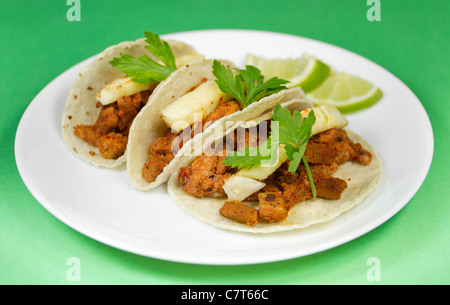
pixel 101 204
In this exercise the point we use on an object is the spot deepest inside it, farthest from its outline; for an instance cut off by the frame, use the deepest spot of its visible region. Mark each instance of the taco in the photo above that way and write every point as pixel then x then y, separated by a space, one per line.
pixel 195 102
pixel 321 170
pixel 111 90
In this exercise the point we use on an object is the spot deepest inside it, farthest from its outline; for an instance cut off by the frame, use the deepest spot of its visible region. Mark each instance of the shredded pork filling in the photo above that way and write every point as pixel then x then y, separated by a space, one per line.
pixel 110 132
pixel 324 152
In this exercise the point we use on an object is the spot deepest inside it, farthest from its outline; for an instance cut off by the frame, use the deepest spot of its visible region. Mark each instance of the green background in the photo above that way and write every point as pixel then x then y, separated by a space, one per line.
pixel 37 43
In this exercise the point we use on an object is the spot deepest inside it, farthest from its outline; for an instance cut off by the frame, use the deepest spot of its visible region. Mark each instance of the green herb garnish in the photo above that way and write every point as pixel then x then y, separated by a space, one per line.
pixel 293 130
pixel 251 156
pixel 143 69
pixel 248 85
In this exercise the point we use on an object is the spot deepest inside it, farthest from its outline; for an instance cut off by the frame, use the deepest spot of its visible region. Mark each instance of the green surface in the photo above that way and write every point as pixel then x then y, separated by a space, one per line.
pixel 37 43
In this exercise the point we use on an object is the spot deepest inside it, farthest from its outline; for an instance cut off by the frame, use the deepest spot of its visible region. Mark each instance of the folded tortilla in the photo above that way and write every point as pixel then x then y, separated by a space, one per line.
pixel 148 125
pixel 361 181
pixel 80 108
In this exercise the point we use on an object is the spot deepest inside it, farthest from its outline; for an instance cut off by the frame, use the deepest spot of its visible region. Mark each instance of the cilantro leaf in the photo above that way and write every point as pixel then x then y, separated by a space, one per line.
pixel 160 49
pixel 295 132
pixel 143 69
pixel 291 130
pixel 248 85
pixel 251 156
pixel 295 156
pixel 227 81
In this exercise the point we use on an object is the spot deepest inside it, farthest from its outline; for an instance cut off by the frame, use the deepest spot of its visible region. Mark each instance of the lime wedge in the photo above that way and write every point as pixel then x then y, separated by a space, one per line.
pixel 349 93
pixel 305 71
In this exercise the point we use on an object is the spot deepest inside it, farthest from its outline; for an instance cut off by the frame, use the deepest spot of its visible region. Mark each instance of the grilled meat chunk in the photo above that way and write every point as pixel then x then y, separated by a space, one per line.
pixel 240 212
pixel 221 111
pixel 344 147
pixel 330 187
pixel 112 145
pixel 112 125
pixel 160 155
pixel 87 133
pixel 205 176
pixel 272 206
pixel 128 108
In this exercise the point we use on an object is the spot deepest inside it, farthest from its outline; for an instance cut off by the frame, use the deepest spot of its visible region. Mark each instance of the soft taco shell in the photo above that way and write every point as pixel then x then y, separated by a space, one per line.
pixel 361 180
pixel 148 125
pixel 81 106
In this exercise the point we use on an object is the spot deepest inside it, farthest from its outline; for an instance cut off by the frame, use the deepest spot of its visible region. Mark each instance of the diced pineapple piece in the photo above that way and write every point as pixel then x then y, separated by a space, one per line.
pixel 262 171
pixel 119 88
pixel 239 187
pixel 327 117
pixel 194 105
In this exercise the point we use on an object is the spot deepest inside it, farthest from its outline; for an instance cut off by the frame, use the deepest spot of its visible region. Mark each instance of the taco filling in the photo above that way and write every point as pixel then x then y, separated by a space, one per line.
pixel 122 99
pixel 276 188
pixel 110 132
pixel 164 149
pixel 200 107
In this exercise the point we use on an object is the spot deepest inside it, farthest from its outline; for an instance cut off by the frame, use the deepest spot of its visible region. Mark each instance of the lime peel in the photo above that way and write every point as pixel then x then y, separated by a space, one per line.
pixel 305 71
pixel 349 93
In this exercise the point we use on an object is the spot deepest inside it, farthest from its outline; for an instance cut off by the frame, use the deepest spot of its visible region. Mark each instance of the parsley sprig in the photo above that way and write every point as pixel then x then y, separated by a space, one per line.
pixel 251 156
pixel 248 85
pixel 294 131
pixel 143 69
